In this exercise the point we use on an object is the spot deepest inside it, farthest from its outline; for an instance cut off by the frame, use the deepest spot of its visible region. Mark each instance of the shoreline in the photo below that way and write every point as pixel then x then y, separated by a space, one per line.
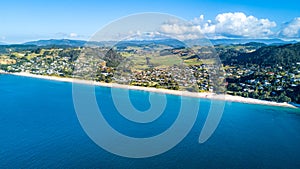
pixel 206 95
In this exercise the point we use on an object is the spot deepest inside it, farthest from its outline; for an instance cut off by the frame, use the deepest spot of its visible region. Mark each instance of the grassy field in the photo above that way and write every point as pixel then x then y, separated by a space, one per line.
pixel 156 60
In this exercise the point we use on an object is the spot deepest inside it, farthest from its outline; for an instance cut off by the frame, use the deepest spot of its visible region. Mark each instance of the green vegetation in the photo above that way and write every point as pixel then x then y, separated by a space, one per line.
pixel 251 70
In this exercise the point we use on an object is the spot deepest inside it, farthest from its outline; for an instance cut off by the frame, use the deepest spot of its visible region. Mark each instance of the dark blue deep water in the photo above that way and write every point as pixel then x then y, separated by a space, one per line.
pixel 39 129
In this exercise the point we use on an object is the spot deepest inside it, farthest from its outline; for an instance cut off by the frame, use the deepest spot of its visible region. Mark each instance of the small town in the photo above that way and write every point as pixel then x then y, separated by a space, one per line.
pixel 273 83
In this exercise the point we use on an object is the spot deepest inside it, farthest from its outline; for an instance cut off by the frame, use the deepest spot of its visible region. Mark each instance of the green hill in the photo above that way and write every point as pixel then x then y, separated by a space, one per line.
pixel 267 55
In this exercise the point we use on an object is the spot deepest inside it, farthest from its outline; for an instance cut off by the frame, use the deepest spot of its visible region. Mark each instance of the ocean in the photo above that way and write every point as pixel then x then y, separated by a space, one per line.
pixel 39 128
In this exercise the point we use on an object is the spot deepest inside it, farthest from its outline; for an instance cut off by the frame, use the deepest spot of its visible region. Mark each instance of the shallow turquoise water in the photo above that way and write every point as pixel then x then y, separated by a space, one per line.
pixel 39 129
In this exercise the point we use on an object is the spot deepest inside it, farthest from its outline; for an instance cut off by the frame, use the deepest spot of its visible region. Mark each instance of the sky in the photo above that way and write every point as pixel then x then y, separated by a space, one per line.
pixel 28 20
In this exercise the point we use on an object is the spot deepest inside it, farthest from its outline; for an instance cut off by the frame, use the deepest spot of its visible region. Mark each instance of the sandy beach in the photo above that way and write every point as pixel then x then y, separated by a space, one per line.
pixel 207 95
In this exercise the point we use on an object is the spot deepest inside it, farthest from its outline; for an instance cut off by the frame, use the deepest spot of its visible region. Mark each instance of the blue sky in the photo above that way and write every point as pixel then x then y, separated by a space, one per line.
pixel 30 20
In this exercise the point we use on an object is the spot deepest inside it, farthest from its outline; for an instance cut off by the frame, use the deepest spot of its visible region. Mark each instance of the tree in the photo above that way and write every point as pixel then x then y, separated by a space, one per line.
pixel 283 98
pixel 112 58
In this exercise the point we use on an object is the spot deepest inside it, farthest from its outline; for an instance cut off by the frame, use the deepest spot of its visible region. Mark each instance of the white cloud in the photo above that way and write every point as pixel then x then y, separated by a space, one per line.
pixel 291 29
pixel 73 35
pixel 138 35
pixel 224 25
pixel 180 30
pixel 238 24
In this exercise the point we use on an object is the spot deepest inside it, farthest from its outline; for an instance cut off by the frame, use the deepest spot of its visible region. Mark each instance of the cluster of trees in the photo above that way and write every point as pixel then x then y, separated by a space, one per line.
pixel 112 58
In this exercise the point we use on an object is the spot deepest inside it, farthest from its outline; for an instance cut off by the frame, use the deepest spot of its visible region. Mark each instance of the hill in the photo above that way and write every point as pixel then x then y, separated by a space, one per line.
pixel 266 55
pixel 270 55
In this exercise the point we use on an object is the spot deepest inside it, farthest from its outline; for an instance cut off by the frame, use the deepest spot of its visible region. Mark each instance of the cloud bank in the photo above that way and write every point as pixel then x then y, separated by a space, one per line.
pixel 291 29
pixel 232 25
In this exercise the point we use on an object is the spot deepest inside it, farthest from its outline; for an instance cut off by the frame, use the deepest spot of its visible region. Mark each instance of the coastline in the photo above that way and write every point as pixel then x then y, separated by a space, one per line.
pixel 206 95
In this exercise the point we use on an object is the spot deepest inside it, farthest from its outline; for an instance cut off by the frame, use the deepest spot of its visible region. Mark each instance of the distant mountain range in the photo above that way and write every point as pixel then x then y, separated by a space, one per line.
pixel 170 42
pixel 241 41
pixel 67 42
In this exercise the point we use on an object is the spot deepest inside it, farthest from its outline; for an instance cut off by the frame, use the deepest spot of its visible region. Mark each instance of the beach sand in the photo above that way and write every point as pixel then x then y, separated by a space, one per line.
pixel 207 95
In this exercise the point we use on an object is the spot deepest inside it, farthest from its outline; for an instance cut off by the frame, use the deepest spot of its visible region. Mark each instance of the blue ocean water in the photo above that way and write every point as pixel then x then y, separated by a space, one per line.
pixel 39 129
